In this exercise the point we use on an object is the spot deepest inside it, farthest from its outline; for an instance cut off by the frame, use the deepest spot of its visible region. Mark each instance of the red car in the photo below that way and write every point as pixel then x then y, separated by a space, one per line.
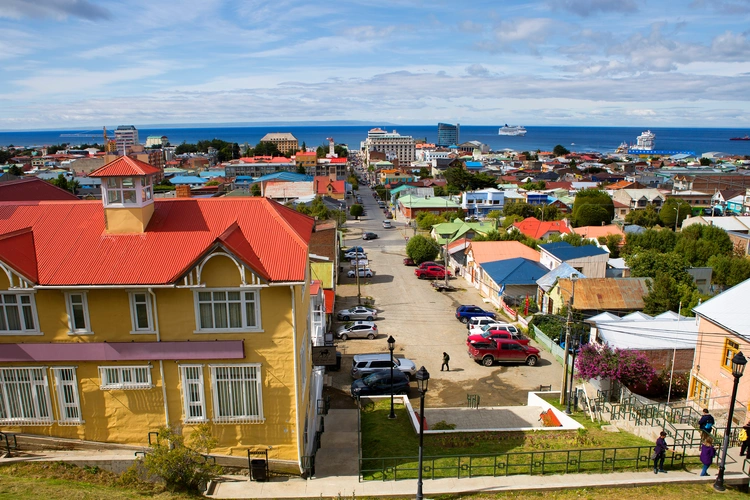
pixel 430 263
pixel 432 273
pixel 497 334
pixel 409 262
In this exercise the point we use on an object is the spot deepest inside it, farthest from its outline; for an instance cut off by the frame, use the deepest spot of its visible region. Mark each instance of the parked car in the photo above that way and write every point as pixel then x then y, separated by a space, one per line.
pixel 409 262
pixel 364 272
pixel 389 215
pixel 357 312
pixel 369 236
pixel 365 364
pixel 387 224
pixel 354 249
pixel 498 334
pixel 476 324
pixel 432 273
pixel 503 350
pixel 355 255
pixel 359 263
pixel 358 330
pixel 466 312
pixel 430 263
pixel 379 384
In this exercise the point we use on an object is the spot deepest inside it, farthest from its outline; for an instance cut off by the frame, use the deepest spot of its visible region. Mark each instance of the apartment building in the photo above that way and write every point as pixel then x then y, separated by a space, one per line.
pixel 393 144
pixel 285 141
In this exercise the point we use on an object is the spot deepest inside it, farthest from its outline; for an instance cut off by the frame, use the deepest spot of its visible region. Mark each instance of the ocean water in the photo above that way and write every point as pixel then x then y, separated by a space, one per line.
pixel 581 139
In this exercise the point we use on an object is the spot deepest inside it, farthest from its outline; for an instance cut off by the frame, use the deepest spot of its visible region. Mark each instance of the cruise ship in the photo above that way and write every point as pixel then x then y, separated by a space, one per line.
pixel 512 130
pixel 645 141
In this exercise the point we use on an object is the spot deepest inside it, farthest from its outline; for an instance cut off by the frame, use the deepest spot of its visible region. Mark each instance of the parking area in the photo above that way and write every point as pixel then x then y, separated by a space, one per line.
pixel 422 322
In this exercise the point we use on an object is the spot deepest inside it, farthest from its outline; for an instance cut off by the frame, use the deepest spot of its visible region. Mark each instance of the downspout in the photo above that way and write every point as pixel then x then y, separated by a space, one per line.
pixel 161 362
pixel 296 379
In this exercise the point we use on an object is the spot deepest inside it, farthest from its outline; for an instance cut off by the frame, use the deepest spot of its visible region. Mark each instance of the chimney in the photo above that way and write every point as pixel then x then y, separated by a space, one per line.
pixel 332 173
pixel 183 191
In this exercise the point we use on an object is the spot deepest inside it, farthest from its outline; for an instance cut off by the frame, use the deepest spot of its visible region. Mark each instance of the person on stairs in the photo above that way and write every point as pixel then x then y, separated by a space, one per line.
pixel 660 452
pixel 744 438
pixel 707 454
pixel 706 424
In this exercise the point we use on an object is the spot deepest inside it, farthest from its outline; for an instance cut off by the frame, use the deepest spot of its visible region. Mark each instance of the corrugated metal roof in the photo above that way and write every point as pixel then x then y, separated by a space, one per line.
pixel 32 188
pixel 562 271
pixel 491 251
pixel 124 166
pixel 271 238
pixel 615 294
pixel 516 271
pixel 727 311
pixel 563 250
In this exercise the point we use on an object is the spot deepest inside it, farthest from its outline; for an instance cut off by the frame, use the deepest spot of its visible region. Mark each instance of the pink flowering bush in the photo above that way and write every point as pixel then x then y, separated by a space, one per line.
pixel 626 366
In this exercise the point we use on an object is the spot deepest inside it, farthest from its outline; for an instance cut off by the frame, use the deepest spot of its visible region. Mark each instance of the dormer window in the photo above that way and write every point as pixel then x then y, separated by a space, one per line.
pixel 128 191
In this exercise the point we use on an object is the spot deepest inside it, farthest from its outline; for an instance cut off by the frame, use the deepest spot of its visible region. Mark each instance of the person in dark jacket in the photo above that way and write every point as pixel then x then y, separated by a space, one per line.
pixel 446 359
pixel 706 424
pixel 744 443
pixel 707 454
pixel 660 452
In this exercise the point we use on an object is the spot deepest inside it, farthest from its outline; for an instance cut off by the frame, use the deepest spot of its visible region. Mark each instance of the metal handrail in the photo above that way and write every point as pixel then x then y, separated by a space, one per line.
pixel 515 463
pixel 4 437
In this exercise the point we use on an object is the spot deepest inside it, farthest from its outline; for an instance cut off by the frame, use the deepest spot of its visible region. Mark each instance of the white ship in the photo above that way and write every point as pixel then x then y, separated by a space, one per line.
pixel 645 141
pixel 512 130
pixel 622 148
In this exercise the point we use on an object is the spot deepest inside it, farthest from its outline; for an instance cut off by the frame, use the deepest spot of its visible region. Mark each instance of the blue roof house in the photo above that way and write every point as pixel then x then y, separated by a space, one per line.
pixel 510 278
pixel 589 260
pixel 188 180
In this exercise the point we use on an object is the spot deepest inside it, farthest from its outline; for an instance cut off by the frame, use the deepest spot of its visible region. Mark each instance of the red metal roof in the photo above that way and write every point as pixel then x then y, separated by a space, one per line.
pixel 330 296
pixel 536 229
pixel 270 238
pixel 124 166
pixel 32 189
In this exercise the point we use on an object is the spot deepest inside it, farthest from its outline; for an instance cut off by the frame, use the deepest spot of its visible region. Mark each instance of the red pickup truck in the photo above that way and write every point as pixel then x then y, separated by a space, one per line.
pixel 503 350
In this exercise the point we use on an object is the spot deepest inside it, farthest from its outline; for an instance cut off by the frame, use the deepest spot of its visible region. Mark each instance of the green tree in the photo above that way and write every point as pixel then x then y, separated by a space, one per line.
pixel 15 170
pixel 422 249
pixel 439 191
pixel 180 466
pixel 424 173
pixel 647 217
pixel 560 150
pixel 674 210
pixel 698 242
pixel 705 162
pixel 520 208
pixel 356 211
pixel 491 235
pixel 255 189
pixel 547 212
pixel 301 169
pixel 592 207
pixel 266 149
pixel 426 220
pixel 663 295
pixel 494 214
pixel 729 270
pixel 614 243
pixel 663 240
pixel 650 263
pixel 454 214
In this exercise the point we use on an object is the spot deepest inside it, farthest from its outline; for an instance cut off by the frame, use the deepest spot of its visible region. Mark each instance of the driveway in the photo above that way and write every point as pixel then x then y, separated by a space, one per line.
pixel 423 323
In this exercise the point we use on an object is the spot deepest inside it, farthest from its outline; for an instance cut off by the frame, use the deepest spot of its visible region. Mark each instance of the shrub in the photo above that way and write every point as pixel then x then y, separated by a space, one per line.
pixel 442 426
pixel 421 249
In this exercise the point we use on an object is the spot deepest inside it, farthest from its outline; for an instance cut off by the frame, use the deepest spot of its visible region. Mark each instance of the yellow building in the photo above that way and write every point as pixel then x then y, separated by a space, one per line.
pixel 122 315
pixel 285 141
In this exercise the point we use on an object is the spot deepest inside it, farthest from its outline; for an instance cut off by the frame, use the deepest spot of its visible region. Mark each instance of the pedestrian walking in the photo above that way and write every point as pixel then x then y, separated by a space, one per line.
pixel 706 423
pixel 707 454
pixel 744 438
pixel 446 359
pixel 660 453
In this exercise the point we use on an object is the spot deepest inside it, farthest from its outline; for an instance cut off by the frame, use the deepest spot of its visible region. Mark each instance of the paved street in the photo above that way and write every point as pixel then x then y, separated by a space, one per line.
pixel 423 323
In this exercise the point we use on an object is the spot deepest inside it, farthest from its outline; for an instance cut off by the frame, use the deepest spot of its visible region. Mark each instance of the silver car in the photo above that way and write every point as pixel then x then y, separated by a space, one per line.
pixel 358 330
pixel 365 364
pixel 357 312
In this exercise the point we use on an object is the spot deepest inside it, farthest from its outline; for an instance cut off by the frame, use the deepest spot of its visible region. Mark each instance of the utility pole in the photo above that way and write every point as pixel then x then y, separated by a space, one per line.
pixel 564 385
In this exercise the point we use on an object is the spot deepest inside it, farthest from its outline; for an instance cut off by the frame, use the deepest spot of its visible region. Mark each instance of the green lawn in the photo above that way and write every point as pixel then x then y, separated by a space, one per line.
pixel 663 492
pixel 393 444
pixel 60 481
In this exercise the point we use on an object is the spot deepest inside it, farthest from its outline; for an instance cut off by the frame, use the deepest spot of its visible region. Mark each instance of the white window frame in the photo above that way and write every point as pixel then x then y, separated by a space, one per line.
pixel 68 397
pixel 134 312
pixel 114 185
pixel 131 373
pixel 30 396
pixel 69 306
pixel 232 399
pixel 193 400
pixel 21 313
pixel 243 301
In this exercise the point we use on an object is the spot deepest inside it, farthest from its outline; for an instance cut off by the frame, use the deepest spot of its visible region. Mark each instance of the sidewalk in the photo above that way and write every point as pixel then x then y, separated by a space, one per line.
pixel 241 487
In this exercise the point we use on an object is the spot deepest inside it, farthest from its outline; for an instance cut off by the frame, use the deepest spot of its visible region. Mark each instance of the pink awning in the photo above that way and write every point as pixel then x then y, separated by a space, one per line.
pixel 122 351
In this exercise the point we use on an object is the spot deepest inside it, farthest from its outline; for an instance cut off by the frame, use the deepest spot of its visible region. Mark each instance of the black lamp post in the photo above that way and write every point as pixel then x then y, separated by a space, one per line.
pixel 391 345
pixel 738 367
pixel 423 377
pixel 574 344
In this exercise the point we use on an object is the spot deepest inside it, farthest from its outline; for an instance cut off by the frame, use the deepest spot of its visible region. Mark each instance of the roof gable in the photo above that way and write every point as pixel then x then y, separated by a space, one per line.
pixel 31 189
pixel 125 166
pixel 17 250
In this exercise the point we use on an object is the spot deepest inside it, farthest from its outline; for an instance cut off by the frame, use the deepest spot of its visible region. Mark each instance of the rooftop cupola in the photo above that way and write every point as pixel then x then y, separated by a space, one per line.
pixel 127 194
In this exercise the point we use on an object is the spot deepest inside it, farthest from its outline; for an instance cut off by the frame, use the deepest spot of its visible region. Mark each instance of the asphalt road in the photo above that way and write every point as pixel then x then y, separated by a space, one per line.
pixel 423 323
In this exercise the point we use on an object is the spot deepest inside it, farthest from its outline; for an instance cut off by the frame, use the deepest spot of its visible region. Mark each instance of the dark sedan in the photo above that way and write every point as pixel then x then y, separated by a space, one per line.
pixel 369 236
pixel 379 384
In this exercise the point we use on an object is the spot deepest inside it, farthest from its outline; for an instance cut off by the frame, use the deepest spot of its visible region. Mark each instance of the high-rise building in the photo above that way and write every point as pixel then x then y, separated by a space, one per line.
pixel 447 134
pixel 125 136
pixel 285 141
pixel 393 144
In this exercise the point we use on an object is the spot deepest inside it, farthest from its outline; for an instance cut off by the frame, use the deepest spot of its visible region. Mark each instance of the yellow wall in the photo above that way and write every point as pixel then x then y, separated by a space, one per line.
pixel 126 416
pixel 128 220
pixel 323 271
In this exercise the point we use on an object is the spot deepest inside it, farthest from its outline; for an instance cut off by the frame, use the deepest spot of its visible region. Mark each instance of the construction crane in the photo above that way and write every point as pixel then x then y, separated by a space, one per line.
pixel 109 145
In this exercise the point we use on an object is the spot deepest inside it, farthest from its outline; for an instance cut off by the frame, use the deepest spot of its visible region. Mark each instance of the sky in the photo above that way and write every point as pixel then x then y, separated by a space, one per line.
pixel 67 64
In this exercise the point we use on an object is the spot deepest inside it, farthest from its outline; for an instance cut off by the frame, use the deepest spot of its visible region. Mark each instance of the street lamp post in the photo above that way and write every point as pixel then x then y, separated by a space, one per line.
pixel 572 371
pixel 391 345
pixel 423 377
pixel 738 367
pixel 564 387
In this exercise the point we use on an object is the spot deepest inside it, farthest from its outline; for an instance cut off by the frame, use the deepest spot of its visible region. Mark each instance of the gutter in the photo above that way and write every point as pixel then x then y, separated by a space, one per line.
pixel 296 383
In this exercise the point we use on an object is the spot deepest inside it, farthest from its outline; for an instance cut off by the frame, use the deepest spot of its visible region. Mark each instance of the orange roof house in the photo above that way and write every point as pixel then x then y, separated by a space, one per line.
pixel 596 232
pixel 491 251
pixel 534 228
pixel 325 186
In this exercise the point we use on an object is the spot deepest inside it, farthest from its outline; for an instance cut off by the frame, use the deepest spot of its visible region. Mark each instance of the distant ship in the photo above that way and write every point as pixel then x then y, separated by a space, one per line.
pixel 512 130
pixel 622 148
pixel 746 138
pixel 645 141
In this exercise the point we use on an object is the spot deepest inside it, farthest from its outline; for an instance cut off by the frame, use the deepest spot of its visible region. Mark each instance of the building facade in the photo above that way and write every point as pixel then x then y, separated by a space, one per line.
pixel 285 141
pixel 125 136
pixel 105 339
pixel 448 134
pixel 393 144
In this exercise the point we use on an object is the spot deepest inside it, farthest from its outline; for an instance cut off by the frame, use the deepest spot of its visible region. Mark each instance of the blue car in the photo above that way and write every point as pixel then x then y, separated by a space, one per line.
pixel 465 313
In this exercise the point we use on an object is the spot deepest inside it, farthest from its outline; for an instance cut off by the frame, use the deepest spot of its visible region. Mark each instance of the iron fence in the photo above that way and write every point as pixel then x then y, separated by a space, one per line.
pixel 516 463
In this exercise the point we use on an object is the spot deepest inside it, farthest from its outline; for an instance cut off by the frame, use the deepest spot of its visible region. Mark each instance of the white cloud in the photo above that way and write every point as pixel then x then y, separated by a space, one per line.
pixel 587 8
pixel 56 9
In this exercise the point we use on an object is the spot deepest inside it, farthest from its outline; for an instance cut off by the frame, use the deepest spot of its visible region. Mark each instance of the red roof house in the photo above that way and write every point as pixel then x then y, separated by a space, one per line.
pixel 534 228
pixel 32 189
